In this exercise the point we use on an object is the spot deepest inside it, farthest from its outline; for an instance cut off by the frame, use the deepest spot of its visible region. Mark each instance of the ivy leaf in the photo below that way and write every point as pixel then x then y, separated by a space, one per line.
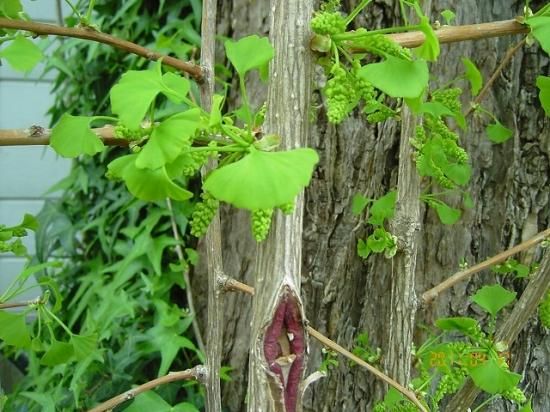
pixel 493 298
pixel 543 83
pixel 22 54
pixel 58 353
pixel 448 15
pixel 397 77
pixel 168 139
pixel 132 95
pixel 250 53
pixel 540 28
pixel 13 330
pixel 263 180
pixel 146 184
pixel 492 378
pixel 429 50
pixel 72 137
pixel 84 345
pixel 383 208
pixel 498 133
pixel 473 75
pixel 358 203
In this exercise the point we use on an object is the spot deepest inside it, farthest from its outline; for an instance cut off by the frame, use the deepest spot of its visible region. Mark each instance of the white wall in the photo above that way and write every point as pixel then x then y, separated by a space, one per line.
pixel 26 172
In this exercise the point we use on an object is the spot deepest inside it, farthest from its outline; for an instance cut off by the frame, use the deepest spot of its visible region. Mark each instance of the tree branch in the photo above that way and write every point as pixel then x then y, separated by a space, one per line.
pixel 453 34
pixel 510 328
pixel 462 275
pixel 197 373
pixel 11 305
pixel 40 136
pixel 87 33
pixel 233 285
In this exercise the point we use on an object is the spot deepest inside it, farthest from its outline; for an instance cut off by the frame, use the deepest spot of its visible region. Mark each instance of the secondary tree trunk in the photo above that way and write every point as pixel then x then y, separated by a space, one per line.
pixel 344 295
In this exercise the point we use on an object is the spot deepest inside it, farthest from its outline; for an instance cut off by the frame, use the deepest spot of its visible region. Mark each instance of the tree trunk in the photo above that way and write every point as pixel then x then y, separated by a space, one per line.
pixel 344 295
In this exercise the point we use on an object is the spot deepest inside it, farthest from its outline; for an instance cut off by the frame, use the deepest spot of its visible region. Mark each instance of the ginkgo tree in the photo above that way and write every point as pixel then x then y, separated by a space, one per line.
pixel 254 157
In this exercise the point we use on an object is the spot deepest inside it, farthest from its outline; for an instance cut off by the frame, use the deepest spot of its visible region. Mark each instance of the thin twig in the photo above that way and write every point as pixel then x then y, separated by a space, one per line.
pixel 188 291
pixel 454 34
pixel 234 285
pixel 88 33
pixel 196 373
pixel 507 58
pixel 9 305
pixel 462 275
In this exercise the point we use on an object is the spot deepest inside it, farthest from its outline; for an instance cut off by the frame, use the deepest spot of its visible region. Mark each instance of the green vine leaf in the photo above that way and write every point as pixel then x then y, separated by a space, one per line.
pixel 263 180
pixel 493 298
pixel 429 50
pixel 473 75
pixel 13 330
pixel 498 133
pixel 250 53
pixel 168 139
pixel 492 378
pixel 543 83
pixel 397 77
pixel 22 54
pixel 72 137
pixel 540 28
pixel 146 184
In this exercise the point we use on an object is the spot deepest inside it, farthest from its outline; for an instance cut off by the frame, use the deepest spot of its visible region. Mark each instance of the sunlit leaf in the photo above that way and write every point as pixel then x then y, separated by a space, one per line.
pixel 493 298
pixel 168 139
pixel 397 77
pixel 146 184
pixel 22 54
pixel 73 137
pixel 263 180
pixel 29 222
pixel 543 83
pixel 493 378
pixel 250 53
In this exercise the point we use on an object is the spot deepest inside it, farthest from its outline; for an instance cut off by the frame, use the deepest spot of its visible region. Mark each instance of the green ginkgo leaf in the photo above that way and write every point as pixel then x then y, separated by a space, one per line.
pixel 473 75
pixel 13 330
pixel 263 180
pixel 59 352
pixel 176 86
pixel 397 77
pixel 146 184
pixel 498 133
pixel 493 298
pixel 493 378
pixel 73 137
pixel 168 139
pixel 250 53
pixel 429 50
pixel 22 54
pixel 540 28
pixel 10 8
pixel 543 83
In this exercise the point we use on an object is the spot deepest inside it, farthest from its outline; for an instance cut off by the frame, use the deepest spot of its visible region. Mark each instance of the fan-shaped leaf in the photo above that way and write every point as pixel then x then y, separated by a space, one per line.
pixel 73 137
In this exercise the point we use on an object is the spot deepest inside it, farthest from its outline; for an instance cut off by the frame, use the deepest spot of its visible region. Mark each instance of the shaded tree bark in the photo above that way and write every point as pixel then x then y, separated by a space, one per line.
pixel 344 295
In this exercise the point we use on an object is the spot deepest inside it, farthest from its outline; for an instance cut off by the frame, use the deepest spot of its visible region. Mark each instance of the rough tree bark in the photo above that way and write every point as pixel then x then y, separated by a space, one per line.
pixel 344 295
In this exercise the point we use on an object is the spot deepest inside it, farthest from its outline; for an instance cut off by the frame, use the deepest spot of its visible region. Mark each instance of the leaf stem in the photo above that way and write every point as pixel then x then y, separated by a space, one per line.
pixel 59 321
pixel 356 11
pixel 230 148
pixel 487 402
pixel 89 12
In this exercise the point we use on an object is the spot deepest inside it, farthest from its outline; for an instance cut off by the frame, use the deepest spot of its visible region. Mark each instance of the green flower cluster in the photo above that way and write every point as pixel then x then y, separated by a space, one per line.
pixel 123 132
pixel 380 45
pixel 287 208
pixel 450 98
pixel 203 214
pixel 328 23
pixel 404 406
pixel 516 395
pixel 450 382
pixel 261 221
pixel 544 310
